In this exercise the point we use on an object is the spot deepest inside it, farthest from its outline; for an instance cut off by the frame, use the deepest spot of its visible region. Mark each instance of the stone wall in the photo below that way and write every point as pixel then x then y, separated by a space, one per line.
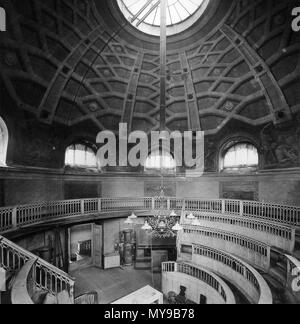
pixel 30 186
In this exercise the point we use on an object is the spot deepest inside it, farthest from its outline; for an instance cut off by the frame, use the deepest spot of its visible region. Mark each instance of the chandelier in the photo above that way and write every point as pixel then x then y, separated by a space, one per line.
pixel 163 224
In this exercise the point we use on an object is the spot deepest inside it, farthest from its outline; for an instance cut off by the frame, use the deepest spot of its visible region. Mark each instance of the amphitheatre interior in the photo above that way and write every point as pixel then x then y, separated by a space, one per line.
pixel 74 230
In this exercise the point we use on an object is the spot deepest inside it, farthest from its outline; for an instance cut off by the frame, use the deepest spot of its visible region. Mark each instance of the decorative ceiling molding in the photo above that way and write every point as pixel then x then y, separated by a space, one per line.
pixel 61 62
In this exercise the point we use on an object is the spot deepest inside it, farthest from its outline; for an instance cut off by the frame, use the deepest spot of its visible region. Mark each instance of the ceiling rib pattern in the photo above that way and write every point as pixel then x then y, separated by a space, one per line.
pixel 76 70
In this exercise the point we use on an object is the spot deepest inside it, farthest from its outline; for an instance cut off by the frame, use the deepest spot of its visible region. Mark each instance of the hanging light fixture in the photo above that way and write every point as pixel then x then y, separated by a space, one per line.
pixel 133 216
pixel 173 214
pixel 128 221
pixel 191 217
pixel 146 227
pixel 163 225
pixel 177 227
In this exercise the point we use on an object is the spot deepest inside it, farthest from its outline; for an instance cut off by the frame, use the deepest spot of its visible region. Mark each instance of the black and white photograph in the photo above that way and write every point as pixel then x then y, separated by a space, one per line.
pixel 149 155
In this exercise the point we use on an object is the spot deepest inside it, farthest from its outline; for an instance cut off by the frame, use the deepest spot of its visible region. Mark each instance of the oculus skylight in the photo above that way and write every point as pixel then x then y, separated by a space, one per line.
pixel 145 14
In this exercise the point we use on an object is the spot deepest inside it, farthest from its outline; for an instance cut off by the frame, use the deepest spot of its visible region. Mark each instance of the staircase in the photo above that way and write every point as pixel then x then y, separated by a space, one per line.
pixel 297 244
pixel 281 295
pixel 31 280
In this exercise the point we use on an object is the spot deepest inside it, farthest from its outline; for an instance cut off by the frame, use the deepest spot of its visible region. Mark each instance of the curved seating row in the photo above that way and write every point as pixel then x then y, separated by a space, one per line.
pixel 236 271
pixel 277 235
pixel 255 252
pixel 199 281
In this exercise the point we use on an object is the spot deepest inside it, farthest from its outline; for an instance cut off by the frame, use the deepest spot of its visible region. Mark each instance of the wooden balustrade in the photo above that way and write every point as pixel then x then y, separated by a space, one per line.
pixel 278 235
pixel 90 298
pixel 21 293
pixel 263 292
pixel 283 231
pixel 203 275
pixel 16 217
pixel 240 245
pixel 44 275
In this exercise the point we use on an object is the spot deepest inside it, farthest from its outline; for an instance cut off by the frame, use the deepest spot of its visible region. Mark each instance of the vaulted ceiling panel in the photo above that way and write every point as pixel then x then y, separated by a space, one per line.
pixel 78 69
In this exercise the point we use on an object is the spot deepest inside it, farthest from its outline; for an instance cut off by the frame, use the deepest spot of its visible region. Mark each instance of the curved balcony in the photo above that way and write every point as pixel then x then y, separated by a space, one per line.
pixel 275 224
pixel 12 218
pixel 236 271
pixel 273 234
pixel 255 252
pixel 198 281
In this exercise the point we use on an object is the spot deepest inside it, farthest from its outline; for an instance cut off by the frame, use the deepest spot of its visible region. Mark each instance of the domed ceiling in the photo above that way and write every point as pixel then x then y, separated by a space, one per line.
pixel 72 63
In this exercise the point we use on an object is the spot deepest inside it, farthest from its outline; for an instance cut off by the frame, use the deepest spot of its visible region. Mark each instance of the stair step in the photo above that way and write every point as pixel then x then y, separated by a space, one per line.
pixel 296 254
pixel 281 295
pixel 279 274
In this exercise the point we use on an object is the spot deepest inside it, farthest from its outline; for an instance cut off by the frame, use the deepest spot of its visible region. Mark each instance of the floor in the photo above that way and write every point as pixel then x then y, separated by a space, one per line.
pixel 113 284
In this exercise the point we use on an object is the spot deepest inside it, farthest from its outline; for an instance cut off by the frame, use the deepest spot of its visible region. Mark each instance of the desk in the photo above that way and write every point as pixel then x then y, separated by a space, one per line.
pixel 146 295
pixel 111 260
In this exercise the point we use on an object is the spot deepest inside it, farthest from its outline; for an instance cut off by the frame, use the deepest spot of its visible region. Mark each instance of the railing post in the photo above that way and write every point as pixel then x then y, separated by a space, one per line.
pixel 72 291
pixel 223 206
pixel 82 207
pixel 241 208
pixel 99 205
pixel 14 217
pixel 183 205
pixel 153 203
pixel 168 204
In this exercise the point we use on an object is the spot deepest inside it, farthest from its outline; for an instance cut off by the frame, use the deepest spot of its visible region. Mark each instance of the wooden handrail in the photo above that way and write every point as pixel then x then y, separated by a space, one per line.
pixel 13 258
pixel 240 267
pixel 19 292
pixel 203 275
pixel 12 218
pixel 90 298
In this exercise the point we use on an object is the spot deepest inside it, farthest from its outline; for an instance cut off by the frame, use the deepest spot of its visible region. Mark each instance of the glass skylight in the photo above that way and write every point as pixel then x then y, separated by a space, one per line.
pixel 145 14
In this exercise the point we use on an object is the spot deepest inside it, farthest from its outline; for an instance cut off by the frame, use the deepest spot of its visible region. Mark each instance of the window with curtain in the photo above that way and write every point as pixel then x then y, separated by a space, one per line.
pixel 240 156
pixel 80 155
pixel 160 161
pixel 3 142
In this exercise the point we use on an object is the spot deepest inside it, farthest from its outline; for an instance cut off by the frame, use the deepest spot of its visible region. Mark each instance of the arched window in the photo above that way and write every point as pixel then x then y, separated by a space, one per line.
pixel 239 156
pixel 80 155
pixel 160 161
pixel 3 142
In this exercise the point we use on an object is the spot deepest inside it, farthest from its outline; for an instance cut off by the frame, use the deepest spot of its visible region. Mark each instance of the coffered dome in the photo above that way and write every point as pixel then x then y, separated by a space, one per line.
pixel 75 63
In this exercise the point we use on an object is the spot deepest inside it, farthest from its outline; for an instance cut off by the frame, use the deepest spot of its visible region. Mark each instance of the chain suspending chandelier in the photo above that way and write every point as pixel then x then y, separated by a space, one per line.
pixel 164 224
